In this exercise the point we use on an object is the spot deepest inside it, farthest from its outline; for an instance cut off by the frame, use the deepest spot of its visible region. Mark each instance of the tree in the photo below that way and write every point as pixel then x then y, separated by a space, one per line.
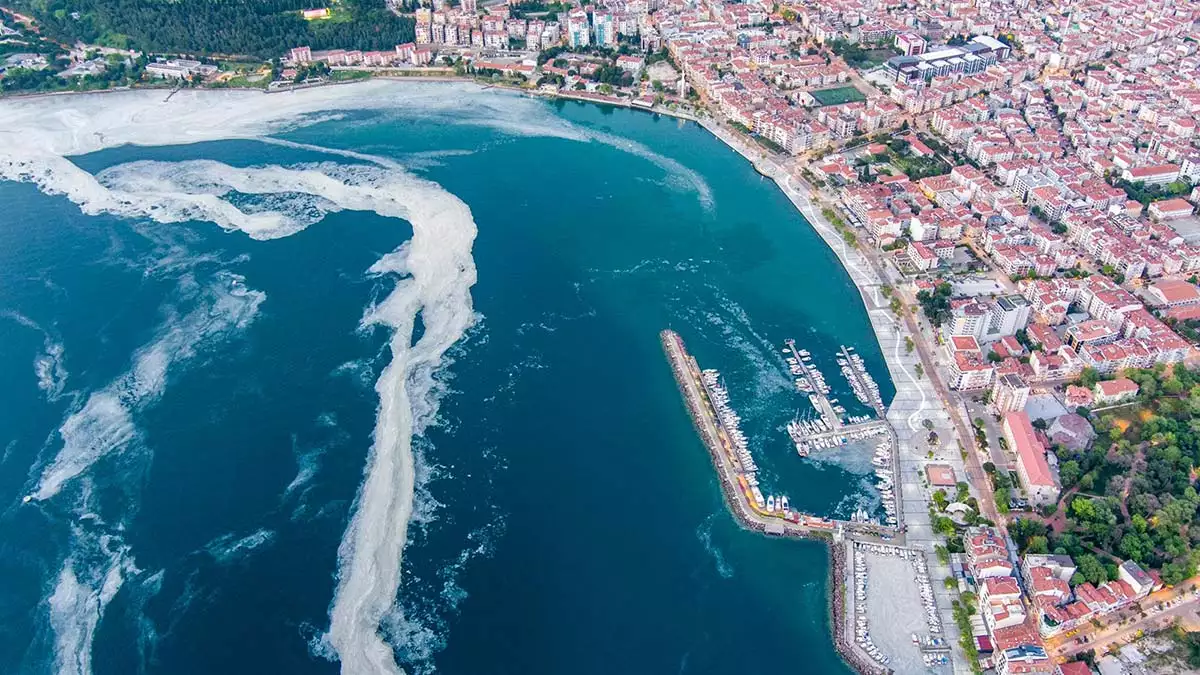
pixel 943 554
pixel 937 303
pixel 262 28
pixel 939 498
pixel 943 525
pixel 1091 569
pixel 1002 497
pixel 1069 473
pixel 1088 377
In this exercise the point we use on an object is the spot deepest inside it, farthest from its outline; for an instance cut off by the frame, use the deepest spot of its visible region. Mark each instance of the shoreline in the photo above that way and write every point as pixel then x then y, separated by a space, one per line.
pixel 914 401
pixel 685 372
pixel 888 331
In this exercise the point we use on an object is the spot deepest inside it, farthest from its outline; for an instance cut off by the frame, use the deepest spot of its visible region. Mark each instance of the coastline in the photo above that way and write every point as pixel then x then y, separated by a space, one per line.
pixel 907 405
pixel 914 402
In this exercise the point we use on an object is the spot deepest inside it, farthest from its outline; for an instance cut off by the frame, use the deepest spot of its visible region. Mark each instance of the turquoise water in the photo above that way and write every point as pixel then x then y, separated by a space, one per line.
pixel 567 517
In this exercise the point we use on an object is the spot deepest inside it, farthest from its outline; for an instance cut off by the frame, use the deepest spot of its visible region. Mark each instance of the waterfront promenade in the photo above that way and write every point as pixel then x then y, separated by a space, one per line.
pixel 917 398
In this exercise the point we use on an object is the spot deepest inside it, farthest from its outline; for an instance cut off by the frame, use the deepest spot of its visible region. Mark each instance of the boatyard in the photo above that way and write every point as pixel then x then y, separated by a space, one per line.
pixel 893 582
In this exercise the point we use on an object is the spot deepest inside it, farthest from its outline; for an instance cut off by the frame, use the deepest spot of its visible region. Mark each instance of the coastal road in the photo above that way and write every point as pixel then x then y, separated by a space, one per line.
pixel 975 473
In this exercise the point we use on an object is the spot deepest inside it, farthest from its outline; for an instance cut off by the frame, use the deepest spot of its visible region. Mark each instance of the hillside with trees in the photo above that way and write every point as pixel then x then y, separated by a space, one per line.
pixel 260 28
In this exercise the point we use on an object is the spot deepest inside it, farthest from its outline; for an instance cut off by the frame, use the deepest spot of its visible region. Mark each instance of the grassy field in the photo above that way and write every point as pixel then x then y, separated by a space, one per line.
pixel 837 96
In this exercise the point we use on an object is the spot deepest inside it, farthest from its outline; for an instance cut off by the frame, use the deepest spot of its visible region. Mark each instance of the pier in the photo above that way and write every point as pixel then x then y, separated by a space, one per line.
pixel 861 382
pixel 811 381
pixel 737 476
pixel 833 429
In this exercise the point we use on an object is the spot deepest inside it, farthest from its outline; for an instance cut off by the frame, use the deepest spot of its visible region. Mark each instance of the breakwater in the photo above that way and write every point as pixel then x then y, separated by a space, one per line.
pixel 688 377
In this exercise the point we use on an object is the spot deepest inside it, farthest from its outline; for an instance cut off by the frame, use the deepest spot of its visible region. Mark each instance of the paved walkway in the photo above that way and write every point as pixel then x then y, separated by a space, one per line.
pixel 918 398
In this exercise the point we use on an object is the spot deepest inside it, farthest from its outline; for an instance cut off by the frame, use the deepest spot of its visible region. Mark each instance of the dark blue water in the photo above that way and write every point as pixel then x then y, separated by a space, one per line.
pixel 568 519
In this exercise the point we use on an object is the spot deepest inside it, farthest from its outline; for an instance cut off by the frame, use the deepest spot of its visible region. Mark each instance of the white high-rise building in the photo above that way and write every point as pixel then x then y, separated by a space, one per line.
pixel 578 30
pixel 605 29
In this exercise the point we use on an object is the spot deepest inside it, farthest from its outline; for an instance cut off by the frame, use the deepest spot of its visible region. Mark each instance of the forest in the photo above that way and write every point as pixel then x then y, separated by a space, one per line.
pixel 257 28
pixel 1131 495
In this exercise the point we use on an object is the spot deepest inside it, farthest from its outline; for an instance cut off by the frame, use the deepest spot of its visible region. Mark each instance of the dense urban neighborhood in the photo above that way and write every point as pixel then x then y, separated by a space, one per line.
pixel 1022 177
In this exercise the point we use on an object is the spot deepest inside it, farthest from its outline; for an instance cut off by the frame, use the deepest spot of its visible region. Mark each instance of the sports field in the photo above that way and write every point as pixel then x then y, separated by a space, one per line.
pixel 837 96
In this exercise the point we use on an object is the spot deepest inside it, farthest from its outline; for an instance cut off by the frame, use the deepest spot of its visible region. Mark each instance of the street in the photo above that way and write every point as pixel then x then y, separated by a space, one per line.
pixel 1127 624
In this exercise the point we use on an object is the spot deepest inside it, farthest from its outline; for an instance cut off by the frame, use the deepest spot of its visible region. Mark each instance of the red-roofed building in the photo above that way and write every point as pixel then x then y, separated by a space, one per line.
pixel 987 554
pixel 1173 293
pixel 968 369
pixel 940 475
pixel 1114 391
pixel 1044 335
pixel 1078 397
pixel 1032 468
pixel 1168 209
pixel 1152 175
pixel 1074 668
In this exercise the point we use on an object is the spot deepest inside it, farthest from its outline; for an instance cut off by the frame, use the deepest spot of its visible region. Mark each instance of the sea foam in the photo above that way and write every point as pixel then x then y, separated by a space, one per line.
pixel 432 275
pixel 104 424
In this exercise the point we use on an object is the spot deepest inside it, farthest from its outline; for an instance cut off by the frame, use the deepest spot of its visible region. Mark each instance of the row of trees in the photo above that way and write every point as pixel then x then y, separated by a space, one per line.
pixel 261 28
pixel 1146 193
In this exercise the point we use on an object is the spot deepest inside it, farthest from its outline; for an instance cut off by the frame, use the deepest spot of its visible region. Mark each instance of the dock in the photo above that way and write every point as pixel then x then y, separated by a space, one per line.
pixel 833 430
pixel 817 388
pixel 738 482
pixel 861 382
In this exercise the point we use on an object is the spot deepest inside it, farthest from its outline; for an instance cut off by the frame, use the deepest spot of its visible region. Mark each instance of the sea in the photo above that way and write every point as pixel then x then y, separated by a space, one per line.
pixel 367 379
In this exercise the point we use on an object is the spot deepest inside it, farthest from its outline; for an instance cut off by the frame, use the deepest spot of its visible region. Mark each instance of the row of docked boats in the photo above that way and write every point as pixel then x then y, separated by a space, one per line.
pixel 862 629
pixel 808 378
pixel 933 622
pixel 882 461
pixel 862 384
pixel 809 435
pixel 730 421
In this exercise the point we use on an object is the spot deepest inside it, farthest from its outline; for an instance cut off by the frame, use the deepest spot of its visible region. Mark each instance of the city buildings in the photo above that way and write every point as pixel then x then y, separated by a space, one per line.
pixel 1036 478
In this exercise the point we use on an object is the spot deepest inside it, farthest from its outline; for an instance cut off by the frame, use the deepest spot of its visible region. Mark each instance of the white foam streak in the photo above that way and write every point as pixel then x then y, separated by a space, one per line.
pixel 433 274
pixel 49 366
pixel 104 425
pixel 440 273
pixel 39 133
pixel 230 548
pixel 76 604
pixel 50 370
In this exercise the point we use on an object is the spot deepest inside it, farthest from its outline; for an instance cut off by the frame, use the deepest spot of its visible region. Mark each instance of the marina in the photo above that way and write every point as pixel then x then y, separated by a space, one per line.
pixel 831 428
pixel 708 404
pixel 861 382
